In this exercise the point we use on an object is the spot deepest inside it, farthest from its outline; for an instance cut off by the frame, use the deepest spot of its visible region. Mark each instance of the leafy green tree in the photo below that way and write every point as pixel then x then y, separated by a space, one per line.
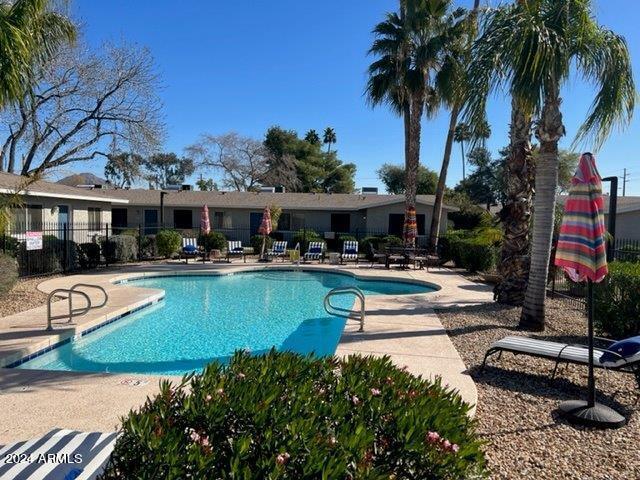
pixel 31 34
pixel 312 137
pixel 206 185
pixel 123 169
pixel 483 185
pixel 393 178
pixel 329 138
pixel 535 45
pixel 164 169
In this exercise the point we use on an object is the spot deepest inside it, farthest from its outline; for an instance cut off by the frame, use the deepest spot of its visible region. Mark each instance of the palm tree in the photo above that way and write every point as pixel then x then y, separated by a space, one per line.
pixel 462 134
pixel 451 86
pixel 312 137
pixel 533 45
pixel 31 34
pixel 329 137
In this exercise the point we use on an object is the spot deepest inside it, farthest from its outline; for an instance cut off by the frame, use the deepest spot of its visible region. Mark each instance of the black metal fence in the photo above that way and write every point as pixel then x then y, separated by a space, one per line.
pixel 576 293
pixel 47 248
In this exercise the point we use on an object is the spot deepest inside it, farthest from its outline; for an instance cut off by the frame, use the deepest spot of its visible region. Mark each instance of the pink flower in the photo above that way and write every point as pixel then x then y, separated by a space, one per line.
pixel 193 435
pixel 446 444
pixel 241 376
pixel 282 458
pixel 204 441
pixel 220 391
pixel 208 398
pixel 433 437
pixel 455 448
pixel 355 400
pixel 332 441
pixel 375 392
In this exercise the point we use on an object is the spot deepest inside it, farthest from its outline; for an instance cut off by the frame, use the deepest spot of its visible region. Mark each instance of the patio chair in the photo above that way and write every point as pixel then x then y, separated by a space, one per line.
pixel 278 249
pixel 376 255
pixel 235 249
pixel 349 251
pixel 315 251
pixel 618 356
pixel 189 249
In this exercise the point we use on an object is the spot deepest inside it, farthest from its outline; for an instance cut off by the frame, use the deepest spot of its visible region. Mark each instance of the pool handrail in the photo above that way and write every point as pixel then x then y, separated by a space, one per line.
pixel 77 311
pixel 345 312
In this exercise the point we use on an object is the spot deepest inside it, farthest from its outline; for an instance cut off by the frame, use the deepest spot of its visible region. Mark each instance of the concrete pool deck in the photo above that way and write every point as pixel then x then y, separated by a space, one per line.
pixel 405 327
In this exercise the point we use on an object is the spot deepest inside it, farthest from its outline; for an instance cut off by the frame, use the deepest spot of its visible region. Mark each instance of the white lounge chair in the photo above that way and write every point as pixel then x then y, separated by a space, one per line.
pixel 235 248
pixel 189 249
pixel 315 251
pixel 349 251
pixel 278 249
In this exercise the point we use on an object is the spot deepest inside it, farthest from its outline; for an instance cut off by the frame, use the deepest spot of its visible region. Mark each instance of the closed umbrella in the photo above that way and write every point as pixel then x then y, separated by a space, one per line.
pixel 205 224
pixel 581 254
pixel 410 230
pixel 265 228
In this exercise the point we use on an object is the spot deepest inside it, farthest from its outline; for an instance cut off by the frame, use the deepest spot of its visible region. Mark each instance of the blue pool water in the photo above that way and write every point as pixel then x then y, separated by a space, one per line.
pixel 205 318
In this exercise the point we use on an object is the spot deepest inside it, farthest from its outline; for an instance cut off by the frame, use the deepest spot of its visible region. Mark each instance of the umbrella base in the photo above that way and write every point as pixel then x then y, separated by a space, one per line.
pixel 598 416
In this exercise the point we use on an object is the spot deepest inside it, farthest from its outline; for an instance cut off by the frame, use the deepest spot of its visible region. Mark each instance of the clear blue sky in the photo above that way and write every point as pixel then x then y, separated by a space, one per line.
pixel 249 64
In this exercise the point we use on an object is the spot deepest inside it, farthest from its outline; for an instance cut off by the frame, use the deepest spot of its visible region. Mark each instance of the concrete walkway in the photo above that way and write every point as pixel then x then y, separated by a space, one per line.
pixel 405 327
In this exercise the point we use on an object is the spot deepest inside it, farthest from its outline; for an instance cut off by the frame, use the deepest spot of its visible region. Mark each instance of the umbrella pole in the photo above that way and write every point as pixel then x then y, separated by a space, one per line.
pixel 590 413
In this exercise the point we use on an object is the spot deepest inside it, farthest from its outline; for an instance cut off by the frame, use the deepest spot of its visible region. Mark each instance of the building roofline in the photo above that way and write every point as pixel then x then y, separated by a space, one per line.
pixel 36 193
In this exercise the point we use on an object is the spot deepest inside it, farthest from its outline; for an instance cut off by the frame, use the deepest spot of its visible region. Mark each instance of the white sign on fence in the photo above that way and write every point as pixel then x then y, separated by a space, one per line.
pixel 34 240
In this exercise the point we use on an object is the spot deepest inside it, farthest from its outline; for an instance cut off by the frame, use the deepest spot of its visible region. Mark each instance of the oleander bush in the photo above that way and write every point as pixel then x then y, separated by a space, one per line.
pixel 617 301
pixel 9 269
pixel 119 248
pixel 256 243
pixel 474 250
pixel 168 242
pixel 212 241
pixel 88 255
pixel 285 416
pixel 303 237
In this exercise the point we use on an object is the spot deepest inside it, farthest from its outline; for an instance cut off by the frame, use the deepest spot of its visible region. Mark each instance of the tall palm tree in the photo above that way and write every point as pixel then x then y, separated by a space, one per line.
pixel 30 34
pixel 451 86
pixel 462 134
pixel 533 45
pixel 312 137
pixel 329 137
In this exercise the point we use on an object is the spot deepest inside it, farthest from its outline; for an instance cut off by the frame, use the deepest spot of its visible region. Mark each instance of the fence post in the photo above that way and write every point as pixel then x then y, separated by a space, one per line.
pixel 139 241
pixel 106 244
pixel 65 247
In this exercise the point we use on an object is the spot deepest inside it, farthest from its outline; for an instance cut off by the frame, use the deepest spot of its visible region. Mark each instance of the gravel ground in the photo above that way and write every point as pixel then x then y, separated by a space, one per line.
pixel 517 405
pixel 23 296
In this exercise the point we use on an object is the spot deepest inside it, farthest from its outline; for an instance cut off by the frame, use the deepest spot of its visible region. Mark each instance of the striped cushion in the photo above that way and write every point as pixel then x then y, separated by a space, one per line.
pixel 278 248
pixel 235 247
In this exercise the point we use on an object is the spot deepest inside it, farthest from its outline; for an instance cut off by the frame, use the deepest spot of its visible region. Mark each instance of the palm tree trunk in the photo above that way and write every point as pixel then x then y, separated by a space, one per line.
pixel 464 176
pixel 442 180
pixel 516 214
pixel 548 132
pixel 412 160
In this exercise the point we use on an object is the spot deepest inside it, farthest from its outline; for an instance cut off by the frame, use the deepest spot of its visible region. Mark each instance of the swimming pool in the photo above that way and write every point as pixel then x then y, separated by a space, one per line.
pixel 205 318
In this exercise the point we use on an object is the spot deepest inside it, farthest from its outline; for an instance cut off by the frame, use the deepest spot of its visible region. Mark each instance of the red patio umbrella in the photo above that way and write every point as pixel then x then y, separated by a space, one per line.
pixel 581 254
pixel 205 224
pixel 410 230
pixel 265 227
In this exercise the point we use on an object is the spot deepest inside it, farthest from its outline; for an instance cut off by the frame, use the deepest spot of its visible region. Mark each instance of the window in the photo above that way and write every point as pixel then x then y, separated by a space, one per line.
pixel 95 218
pixel 340 222
pixel 396 224
pixel 218 220
pixel 34 218
pixel 183 219
pixel 284 222
pixel 297 221
pixel 119 217
pixel 151 225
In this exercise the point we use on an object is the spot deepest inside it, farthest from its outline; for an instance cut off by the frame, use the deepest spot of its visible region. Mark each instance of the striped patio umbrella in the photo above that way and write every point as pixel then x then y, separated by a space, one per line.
pixel 205 224
pixel 410 230
pixel 581 253
pixel 265 227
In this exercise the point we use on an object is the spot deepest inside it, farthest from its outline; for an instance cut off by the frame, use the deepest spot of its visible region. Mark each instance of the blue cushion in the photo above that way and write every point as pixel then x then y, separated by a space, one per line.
pixel 625 348
pixel 189 248
pixel 315 250
pixel 351 251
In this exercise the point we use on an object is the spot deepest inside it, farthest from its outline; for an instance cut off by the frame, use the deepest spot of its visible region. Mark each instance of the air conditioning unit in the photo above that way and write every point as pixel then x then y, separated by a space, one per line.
pixel 267 189
pixel 281 189
pixel 172 187
pixel 186 187
pixel 369 190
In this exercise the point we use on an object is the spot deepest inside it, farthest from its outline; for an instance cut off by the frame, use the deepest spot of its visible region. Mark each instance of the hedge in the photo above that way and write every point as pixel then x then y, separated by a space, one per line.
pixel 256 243
pixel 282 415
pixel 473 251
pixel 303 237
pixel 120 248
pixel 168 242
pixel 9 277
pixel 89 255
pixel 49 259
pixel 617 301
pixel 212 241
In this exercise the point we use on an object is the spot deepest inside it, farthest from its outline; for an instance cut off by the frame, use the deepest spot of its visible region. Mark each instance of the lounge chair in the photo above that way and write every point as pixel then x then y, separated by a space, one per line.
pixel 189 249
pixel 611 358
pixel 278 249
pixel 235 249
pixel 376 256
pixel 349 251
pixel 315 251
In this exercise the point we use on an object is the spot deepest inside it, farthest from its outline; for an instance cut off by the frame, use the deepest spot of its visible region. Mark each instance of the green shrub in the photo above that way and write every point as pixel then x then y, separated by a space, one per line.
pixel 212 241
pixel 49 259
pixel 9 269
pixel 628 253
pixel 168 242
pixel 148 247
pixel 303 237
pixel 474 254
pixel 379 243
pixel 256 243
pixel 392 241
pixel 617 301
pixel 9 245
pixel 119 248
pixel 470 217
pixel 134 232
pixel 281 415
pixel 89 255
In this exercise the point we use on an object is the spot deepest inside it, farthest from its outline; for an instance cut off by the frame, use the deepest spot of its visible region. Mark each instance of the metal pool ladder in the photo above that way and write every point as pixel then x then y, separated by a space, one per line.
pixel 73 312
pixel 345 312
